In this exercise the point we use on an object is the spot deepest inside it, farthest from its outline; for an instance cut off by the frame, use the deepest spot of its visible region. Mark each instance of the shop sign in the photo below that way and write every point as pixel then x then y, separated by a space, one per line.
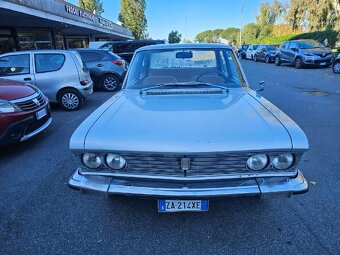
pixel 78 12
pixel 105 22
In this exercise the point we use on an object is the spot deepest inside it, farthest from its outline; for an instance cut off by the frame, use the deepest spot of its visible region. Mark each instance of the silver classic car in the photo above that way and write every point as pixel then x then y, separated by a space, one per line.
pixel 186 127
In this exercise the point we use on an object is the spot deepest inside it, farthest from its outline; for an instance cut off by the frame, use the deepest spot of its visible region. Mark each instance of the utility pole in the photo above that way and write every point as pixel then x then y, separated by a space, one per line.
pixel 185 28
pixel 241 24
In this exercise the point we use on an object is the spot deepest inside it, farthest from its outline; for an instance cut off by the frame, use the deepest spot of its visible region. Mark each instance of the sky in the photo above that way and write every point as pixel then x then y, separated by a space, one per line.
pixel 198 15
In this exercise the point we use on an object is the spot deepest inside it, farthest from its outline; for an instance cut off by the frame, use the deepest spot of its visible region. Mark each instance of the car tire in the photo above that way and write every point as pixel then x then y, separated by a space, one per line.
pixel 267 59
pixel 109 83
pixel 336 67
pixel 70 99
pixel 298 63
pixel 277 61
pixel 255 58
pixel 252 57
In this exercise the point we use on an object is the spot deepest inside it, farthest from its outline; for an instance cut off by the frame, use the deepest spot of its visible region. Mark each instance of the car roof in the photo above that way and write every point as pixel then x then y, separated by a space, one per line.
pixel 36 51
pixel 185 46
pixel 89 49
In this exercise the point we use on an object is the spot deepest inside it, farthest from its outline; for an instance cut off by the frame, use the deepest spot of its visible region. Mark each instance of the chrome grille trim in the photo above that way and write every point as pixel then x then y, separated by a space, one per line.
pixel 202 165
pixel 184 92
pixel 27 103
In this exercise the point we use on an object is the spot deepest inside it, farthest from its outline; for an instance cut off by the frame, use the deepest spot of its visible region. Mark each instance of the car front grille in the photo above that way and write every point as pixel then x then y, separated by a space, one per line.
pixel 200 165
pixel 30 103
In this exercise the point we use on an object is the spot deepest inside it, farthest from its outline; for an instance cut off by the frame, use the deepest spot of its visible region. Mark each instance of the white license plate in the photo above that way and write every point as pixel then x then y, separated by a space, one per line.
pixel 42 113
pixel 183 205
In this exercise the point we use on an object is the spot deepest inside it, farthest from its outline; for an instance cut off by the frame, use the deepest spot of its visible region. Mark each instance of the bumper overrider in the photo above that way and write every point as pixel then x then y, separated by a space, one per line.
pixel 258 187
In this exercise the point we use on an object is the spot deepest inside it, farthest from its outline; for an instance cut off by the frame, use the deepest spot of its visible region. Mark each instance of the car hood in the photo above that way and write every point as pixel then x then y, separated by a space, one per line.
pixel 186 123
pixel 11 90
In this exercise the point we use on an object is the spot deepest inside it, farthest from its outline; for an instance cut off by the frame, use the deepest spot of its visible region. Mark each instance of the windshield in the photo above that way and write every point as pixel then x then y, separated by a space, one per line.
pixel 183 66
pixel 309 44
pixel 272 47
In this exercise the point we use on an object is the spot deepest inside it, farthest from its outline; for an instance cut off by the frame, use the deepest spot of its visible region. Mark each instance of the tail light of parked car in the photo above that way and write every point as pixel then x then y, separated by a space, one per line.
pixel 119 62
pixel 84 82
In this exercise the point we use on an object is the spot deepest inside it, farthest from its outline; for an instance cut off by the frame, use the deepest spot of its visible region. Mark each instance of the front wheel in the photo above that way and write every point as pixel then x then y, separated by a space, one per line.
pixel 336 67
pixel 277 61
pixel 109 83
pixel 298 63
pixel 70 99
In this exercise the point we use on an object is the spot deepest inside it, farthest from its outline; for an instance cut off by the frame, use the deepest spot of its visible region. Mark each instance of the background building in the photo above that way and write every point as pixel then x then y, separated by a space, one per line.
pixel 52 24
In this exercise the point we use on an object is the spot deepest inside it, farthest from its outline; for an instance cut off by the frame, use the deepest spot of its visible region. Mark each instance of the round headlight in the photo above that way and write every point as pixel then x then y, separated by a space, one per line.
pixel 115 161
pixel 283 161
pixel 257 162
pixel 92 160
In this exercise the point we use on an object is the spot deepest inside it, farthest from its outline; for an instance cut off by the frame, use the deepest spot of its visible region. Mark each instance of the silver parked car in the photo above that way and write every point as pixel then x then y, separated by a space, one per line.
pixel 187 127
pixel 61 75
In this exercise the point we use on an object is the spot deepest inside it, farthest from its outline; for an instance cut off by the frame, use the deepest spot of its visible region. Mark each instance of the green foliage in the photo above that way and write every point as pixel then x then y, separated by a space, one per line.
pixel 320 36
pixel 314 15
pixel 250 33
pixel 93 6
pixel 174 37
pixel 132 15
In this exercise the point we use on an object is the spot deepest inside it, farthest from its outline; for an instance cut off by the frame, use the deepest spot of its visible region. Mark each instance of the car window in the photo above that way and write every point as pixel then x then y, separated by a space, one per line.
pixel 15 64
pixel 255 47
pixel 106 47
pixel 48 62
pixel 152 67
pixel 91 56
pixel 310 44
pixel 80 62
pixel 293 45
pixel 123 47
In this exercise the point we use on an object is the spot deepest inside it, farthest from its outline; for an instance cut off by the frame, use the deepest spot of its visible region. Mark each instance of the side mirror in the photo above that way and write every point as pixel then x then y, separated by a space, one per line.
pixel 260 87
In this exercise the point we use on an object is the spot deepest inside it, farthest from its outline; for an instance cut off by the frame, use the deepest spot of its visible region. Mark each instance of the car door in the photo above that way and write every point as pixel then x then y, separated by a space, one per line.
pixel 95 63
pixel 17 67
pixel 261 52
pixel 283 51
pixel 47 77
pixel 248 52
pixel 291 52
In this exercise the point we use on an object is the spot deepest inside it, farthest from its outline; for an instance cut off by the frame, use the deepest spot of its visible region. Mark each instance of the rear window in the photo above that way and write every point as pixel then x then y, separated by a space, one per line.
pixel 48 62
pixel 80 61
pixel 91 56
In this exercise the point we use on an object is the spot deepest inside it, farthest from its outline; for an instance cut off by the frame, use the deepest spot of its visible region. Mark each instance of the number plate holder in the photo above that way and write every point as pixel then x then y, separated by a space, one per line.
pixel 183 205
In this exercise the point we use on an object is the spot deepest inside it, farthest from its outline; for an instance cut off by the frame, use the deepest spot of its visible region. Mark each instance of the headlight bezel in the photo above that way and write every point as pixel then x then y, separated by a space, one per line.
pixel 86 165
pixel 122 161
pixel 10 105
pixel 292 163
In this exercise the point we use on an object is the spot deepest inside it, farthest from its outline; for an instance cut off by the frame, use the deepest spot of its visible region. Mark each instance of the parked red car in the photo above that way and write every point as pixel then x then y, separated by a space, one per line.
pixel 24 112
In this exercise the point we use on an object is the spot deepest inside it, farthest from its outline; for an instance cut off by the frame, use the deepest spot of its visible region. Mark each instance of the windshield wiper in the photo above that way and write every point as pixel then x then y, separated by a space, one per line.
pixel 178 84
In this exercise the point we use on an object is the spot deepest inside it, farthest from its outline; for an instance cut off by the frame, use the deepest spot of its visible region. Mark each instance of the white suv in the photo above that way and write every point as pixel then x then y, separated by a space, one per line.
pixel 250 52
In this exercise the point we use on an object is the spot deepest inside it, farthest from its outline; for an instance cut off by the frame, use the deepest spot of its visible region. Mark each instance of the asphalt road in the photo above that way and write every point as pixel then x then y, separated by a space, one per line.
pixel 39 214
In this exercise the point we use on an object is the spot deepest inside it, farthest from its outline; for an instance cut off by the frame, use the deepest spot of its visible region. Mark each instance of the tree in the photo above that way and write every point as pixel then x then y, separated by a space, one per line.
pixel 250 32
pixel 132 15
pixel 268 15
pixel 93 6
pixel 174 37
pixel 231 34
pixel 314 15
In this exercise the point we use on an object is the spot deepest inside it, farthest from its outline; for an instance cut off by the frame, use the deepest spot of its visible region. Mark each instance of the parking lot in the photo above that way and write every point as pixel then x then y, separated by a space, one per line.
pixel 39 214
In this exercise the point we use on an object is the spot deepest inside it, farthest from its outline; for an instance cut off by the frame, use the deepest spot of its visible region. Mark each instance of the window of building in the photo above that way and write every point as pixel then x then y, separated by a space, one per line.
pixel 35 39
pixel 14 65
pixel 48 62
pixel 6 41
pixel 74 42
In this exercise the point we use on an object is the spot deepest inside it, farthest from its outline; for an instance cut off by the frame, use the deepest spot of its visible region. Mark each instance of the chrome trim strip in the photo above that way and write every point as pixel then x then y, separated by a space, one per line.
pixel 262 188
pixel 186 179
pixel 23 99
pixel 37 131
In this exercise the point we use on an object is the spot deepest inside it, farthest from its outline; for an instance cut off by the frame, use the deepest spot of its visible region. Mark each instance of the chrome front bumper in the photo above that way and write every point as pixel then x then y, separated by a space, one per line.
pixel 260 187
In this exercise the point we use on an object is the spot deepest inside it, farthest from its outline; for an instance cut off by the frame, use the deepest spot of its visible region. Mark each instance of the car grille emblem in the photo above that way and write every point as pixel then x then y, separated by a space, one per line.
pixel 323 55
pixel 185 164
pixel 36 101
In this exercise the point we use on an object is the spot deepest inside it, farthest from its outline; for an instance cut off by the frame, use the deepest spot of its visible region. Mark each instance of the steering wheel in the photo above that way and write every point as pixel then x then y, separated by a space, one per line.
pixel 220 74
